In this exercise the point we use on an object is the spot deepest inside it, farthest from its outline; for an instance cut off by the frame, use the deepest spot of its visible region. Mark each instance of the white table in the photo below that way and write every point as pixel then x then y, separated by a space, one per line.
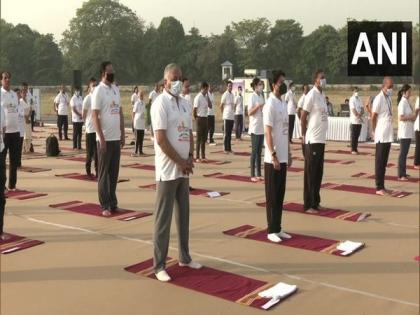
pixel 338 129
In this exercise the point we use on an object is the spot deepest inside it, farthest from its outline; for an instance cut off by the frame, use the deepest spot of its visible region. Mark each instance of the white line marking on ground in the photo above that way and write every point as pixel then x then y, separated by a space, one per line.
pixel 231 262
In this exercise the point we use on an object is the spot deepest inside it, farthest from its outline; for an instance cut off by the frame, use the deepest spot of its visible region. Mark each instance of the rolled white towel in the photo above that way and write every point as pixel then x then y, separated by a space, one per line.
pixel 213 194
pixel 349 247
pixel 277 293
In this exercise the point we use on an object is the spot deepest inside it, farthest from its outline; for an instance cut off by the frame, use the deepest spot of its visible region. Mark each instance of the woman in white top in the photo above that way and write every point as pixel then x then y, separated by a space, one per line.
pixel 256 127
pixel 406 118
pixel 135 95
pixel 139 124
pixel 417 132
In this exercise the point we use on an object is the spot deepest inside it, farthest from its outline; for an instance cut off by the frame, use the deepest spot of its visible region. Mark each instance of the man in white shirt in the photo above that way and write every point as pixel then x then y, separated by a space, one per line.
pixel 108 120
pixel 314 123
pixel 185 93
pixel 239 114
pixel 383 132
pixel 138 124
pixel 356 119
pixel 305 90
pixel 76 105
pixel 91 147
pixel 2 173
pixel 210 116
pixel 10 103
pixel 200 113
pixel 21 120
pixel 227 108
pixel 174 144
pixel 277 156
pixel 30 100
pixel 291 108
pixel 417 135
pixel 152 97
pixel 61 104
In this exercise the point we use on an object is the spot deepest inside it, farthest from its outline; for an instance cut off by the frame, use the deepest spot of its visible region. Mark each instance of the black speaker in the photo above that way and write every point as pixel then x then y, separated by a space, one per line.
pixel 77 79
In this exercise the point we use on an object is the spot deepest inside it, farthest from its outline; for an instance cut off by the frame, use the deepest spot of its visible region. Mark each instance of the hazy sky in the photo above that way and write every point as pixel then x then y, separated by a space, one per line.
pixel 53 16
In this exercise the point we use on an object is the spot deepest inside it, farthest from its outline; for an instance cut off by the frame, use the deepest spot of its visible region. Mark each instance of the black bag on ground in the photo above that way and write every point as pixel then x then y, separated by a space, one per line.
pixel 51 146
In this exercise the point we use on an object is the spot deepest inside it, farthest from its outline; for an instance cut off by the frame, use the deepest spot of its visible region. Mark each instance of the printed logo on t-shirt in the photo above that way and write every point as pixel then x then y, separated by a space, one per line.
pixel 183 132
pixel 324 114
pixel 115 108
pixel 12 109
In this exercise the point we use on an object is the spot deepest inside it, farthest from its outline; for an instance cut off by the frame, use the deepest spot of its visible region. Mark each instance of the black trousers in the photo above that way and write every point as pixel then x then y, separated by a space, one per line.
pixel 202 130
pixel 211 126
pixel 381 160
pixel 228 127
pixel 11 145
pixel 19 163
pixel 62 123
pixel 275 188
pixel 257 142
pixel 2 197
pixel 314 170
pixel 108 170
pixel 77 135
pixel 354 135
pixel 417 151
pixel 139 141
pixel 239 126
pixel 291 126
pixel 91 153
pixel 33 120
pixel 402 158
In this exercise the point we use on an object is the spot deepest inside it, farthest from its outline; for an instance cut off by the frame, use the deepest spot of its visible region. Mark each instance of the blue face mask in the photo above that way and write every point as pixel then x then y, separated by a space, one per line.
pixel 176 87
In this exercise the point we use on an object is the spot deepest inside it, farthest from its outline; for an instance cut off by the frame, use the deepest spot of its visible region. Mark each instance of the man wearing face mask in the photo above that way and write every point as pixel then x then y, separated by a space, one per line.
pixel 314 123
pixel 76 105
pixel 200 113
pixel 174 147
pixel 108 120
pixel 227 108
pixel 61 104
pixel 291 108
pixel 91 148
pixel 356 119
pixel 185 92
pixel 383 132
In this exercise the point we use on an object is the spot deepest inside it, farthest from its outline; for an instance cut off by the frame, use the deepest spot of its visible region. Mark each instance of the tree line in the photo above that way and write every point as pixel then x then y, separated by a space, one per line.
pixel 109 30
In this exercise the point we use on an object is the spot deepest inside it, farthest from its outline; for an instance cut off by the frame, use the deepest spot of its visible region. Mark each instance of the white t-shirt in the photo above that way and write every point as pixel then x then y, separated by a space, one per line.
pixel 2 125
pixel 77 103
pixel 187 97
pixel 62 100
pixel 139 110
pixel 87 105
pixel 256 125
pixel 291 103
pixel 316 105
pixel 134 98
pixel 176 120
pixel 228 101
pixel 21 116
pixel 210 111
pixel 382 105
pixel 276 116
pixel 405 128
pixel 153 95
pixel 106 99
pixel 417 122
pixel 239 103
pixel 202 105
pixel 355 103
pixel 301 101
pixel 10 104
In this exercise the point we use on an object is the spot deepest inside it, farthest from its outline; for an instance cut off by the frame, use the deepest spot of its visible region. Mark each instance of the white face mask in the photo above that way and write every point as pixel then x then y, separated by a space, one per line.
pixel 389 92
pixel 176 87
pixel 323 83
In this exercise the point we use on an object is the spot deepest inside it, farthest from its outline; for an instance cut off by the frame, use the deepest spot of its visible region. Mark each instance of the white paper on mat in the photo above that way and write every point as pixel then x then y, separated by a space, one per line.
pixel 214 194
pixel 276 293
pixel 349 247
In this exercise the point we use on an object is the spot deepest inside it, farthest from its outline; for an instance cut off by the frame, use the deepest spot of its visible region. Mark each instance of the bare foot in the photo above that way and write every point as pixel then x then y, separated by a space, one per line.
pixel 106 213
pixel 5 237
pixel 312 211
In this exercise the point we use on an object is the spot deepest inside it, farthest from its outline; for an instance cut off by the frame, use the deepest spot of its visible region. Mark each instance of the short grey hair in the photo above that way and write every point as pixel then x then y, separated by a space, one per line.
pixel 169 68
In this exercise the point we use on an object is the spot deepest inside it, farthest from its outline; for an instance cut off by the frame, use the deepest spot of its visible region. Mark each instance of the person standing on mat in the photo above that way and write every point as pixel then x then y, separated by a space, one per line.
pixel 256 127
pixel 139 124
pixel 185 92
pixel 2 173
pixel 314 121
pixel 152 96
pixel 356 119
pixel 21 120
pixel 200 112
pixel 174 146
pixel 61 104
pixel 383 132
pixel 406 118
pixel 417 134
pixel 239 114
pixel 210 116
pixel 76 105
pixel 10 103
pixel 305 90
pixel 291 108
pixel 91 148
pixel 277 156
pixel 108 120
pixel 226 105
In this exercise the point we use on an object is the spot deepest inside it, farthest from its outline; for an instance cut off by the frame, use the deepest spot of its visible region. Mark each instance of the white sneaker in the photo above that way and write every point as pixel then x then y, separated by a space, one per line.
pixel 192 264
pixel 282 234
pixel 273 237
pixel 163 276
